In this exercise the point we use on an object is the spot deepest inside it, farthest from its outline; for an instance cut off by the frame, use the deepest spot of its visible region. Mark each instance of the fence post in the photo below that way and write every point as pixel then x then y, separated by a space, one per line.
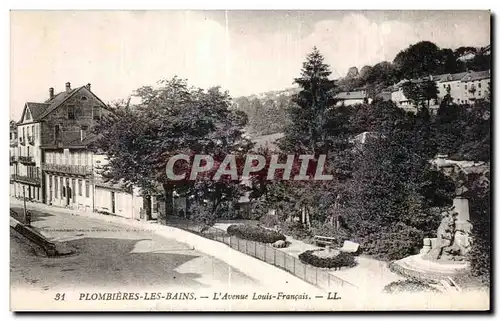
pixel 230 244
pixel 274 250
pixel 316 276
pixel 293 265
pixel 238 243
pixel 265 247
pixel 255 249
pixel 305 272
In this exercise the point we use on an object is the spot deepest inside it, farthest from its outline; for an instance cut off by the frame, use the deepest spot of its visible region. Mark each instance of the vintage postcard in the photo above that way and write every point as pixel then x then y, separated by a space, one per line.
pixel 250 160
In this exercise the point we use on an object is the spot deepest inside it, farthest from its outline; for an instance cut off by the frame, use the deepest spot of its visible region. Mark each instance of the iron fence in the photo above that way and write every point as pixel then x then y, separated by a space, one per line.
pixel 267 253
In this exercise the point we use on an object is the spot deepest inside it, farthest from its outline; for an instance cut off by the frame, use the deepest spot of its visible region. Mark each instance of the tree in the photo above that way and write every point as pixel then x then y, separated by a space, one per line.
pixel 420 91
pixel 173 119
pixel 312 109
pixel 420 59
pixel 394 198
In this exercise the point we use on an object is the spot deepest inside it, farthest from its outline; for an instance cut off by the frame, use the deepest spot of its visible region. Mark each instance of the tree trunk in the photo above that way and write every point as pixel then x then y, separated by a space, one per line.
pixel 146 203
pixel 168 195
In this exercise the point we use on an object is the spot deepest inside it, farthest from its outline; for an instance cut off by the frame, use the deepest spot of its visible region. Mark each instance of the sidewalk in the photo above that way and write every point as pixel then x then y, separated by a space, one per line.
pixel 266 274
pixel 368 275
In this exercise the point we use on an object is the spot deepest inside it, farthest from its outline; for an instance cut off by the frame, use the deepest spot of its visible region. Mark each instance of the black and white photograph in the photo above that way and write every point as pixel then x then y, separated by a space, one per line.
pixel 250 160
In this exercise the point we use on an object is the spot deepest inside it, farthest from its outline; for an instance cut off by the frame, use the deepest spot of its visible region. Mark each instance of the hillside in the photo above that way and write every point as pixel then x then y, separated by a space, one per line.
pixel 267 111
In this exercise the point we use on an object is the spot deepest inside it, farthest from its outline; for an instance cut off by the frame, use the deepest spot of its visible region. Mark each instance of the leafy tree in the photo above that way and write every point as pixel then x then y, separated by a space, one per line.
pixel 420 59
pixel 171 120
pixel 394 196
pixel 420 91
pixel 479 255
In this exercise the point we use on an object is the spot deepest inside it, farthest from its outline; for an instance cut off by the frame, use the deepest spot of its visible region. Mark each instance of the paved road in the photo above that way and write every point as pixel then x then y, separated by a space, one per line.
pixel 109 255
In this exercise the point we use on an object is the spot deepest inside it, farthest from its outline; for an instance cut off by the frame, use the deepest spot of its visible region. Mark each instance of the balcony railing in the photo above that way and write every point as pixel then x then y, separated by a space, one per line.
pixel 27 180
pixel 31 140
pixel 26 160
pixel 22 141
pixel 67 169
pixel 13 159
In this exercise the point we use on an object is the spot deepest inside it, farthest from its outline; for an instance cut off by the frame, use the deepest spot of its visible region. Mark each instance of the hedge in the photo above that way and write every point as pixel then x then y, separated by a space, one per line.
pixel 338 261
pixel 410 285
pixel 255 233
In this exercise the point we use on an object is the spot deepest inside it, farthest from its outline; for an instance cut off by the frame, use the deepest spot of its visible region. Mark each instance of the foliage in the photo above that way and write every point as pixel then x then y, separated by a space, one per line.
pixel 254 233
pixel 390 201
pixel 173 119
pixel 409 285
pixel 269 220
pixel 420 91
pixel 296 230
pixel 464 132
pixel 342 259
pixel 479 255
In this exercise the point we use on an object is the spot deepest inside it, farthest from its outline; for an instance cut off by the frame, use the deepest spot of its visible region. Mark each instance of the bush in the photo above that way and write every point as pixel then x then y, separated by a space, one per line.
pixel 296 230
pixel 409 285
pixel 269 220
pixel 254 233
pixel 394 244
pixel 338 261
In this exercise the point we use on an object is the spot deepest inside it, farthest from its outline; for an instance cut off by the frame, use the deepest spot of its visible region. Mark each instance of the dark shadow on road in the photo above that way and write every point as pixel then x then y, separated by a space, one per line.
pixel 108 262
pixel 18 214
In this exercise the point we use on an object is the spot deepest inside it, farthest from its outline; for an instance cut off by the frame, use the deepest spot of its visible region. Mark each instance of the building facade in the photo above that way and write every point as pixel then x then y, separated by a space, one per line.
pixel 13 156
pixel 351 98
pixel 51 161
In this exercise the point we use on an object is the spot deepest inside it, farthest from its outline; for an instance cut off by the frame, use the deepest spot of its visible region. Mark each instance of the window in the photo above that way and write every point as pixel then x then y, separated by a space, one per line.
pixel 73 190
pixel 79 187
pixel 55 187
pixel 57 132
pixel 479 93
pixel 479 84
pixel 87 189
pixel 28 114
pixel 96 113
pixel 85 129
pixel 465 86
pixel 71 111
pixel 62 188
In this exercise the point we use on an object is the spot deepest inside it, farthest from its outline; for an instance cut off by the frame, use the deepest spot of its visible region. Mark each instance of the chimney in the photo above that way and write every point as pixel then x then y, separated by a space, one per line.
pixel 68 87
pixel 88 86
pixel 51 93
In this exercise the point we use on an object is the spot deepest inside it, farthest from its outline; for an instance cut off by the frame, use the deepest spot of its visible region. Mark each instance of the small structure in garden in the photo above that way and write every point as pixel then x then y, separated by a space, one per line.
pixel 444 256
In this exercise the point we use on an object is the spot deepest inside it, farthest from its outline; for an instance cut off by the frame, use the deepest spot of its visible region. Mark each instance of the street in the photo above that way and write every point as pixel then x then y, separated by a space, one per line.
pixel 110 255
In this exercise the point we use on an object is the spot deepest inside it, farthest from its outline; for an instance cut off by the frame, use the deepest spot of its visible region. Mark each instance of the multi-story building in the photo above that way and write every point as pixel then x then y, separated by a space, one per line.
pixel 55 165
pixel 67 164
pixel 464 88
pixel 13 156
pixel 28 179
pixel 476 85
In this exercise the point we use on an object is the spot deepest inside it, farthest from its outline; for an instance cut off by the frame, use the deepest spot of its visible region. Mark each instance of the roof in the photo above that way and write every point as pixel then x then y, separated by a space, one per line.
pixel 450 77
pixel 58 100
pixel 37 109
pixel 477 75
pixel 351 95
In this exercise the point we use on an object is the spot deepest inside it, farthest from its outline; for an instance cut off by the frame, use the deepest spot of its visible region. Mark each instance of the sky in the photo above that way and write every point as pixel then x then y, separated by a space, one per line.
pixel 245 52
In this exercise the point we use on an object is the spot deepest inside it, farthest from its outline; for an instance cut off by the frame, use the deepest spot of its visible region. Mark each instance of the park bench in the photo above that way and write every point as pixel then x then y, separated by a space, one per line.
pixel 324 240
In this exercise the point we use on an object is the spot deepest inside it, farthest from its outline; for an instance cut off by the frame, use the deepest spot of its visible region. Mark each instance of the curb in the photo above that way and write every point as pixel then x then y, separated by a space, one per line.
pixel 52 249
pixel 34 236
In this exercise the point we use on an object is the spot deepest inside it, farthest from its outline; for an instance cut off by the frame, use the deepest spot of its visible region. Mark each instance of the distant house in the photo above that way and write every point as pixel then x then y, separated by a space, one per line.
pixel 464 87
pixel 349 98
